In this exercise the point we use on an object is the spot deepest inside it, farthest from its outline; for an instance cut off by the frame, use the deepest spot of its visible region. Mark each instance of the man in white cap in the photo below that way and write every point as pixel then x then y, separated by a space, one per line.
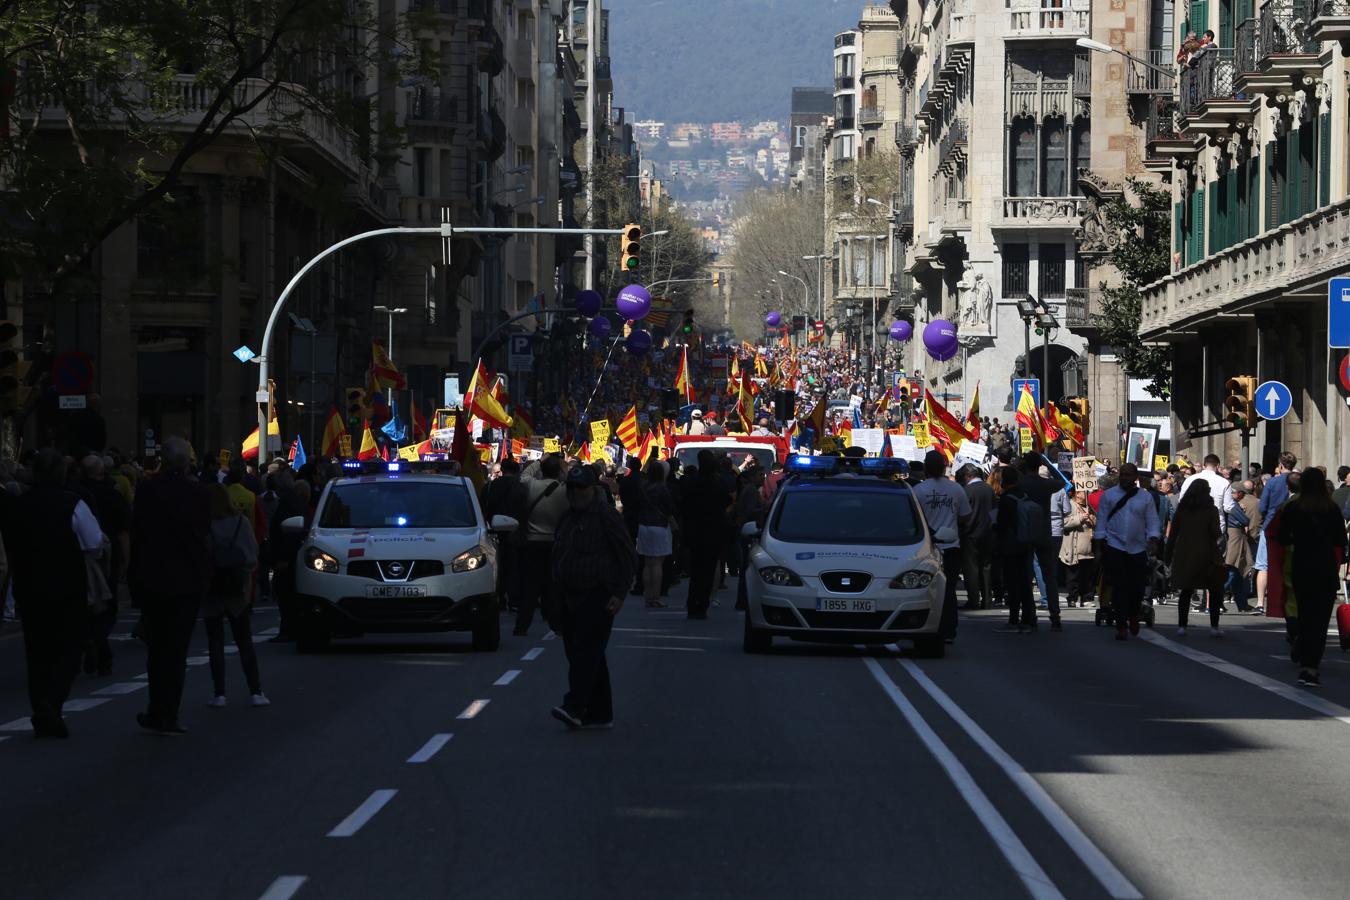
pixel 696 425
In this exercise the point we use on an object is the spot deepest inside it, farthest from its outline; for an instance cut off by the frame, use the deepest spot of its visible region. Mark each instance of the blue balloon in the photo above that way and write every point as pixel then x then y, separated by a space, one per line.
pixel 773 319
pixel 600 327
pixel 939 339
pixel 634 302
pixel 639 343
pixel 901 331
pixel 588 303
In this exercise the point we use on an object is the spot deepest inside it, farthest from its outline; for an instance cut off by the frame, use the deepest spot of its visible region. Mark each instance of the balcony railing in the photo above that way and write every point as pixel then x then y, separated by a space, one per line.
pixel 1208 78
pixel 956 211
pixel 1330 19
pixel 956 136
pixel 870 115
pixel 427 105
pixel 1067 18
pixel 1145 80
pixel 1161 122
pixel 1079 307
pixel 881 63
pixel 904 134
pixel 1044 211
pixel 1082 75
pixel 1285 28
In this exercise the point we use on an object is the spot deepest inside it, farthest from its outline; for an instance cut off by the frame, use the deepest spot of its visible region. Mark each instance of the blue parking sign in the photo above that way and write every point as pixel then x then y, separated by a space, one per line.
pixel 1338 313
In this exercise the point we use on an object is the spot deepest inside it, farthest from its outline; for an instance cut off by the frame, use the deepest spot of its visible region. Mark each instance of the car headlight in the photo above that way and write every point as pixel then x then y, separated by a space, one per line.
pixel 911 581
pixel 779 576
pixel 320 561
pixel 469 561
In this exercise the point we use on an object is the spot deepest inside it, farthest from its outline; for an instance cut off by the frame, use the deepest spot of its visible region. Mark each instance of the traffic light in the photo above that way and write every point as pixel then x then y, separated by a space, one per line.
pixel 358 405
pixel 1240 404
pixel 785 405
pixel 630 247
pixel 798 324
pixel 13 371
pixel 688 326
pixel 1078 412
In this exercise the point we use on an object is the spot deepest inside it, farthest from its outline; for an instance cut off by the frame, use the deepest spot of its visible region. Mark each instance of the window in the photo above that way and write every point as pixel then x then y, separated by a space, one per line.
pixel 1082 149
pixel 171 240
pixel 1016 270
pixel 422 171
pixel 1054 169
pixel 1022 159
pixel 824 515
pixel 1052 270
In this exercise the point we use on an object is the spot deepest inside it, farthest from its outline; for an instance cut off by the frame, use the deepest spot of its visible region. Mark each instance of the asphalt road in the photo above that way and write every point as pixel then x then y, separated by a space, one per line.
pixel 1046 765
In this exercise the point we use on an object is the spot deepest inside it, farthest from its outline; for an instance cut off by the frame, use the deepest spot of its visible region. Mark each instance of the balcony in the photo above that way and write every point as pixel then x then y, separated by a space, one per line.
pixel 1080 308
pixel 902 289
pixel 956 214
pixel 870 116
pixel 1292 262
pixel 1274 51
pixel 1330 20
pixel 1144 80
pixel 881 65
pixel 1082 76
pixel 952 146
pixel 905 136
pixel 948 65
pixel 429 105
pixel 1164 139
pixel 1210 99
pixel 902 206
pixel 1049 19
pixel 1041 212
pixel 961 24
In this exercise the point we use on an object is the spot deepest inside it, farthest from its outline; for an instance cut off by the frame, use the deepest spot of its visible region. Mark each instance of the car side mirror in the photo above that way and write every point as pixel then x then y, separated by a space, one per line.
pixel 293 525
pixel 945 535
pixel 503 524
pixel 750 531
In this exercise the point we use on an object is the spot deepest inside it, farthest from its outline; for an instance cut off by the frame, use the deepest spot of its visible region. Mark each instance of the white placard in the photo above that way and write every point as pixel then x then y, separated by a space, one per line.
pixel 903 446
pixel 870 439
pixel 971 452
pixel 72 401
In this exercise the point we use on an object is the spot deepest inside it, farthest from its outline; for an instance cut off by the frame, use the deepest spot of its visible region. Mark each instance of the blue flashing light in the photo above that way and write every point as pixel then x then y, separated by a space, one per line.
pixel 394 467
pixel 353 465
pixel 883 466
pixel 401 521
pixel 814 465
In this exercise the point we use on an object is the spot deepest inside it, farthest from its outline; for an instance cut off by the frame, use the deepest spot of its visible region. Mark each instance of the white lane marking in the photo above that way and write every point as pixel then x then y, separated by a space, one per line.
pixel 550 636
pixel 532 654
pixel 1110 878
pixel 506 679
pixel 284 888
pixel 83 703
pixel 472 709
pixel 1284 657
pixel 122 687
pixel 1288 691
pixel 268 632
pixel 363 813
pixel 144 676
pixel 17 725
pixel 655 647
pixel 1034 879
pixel 430 748
pixel 198 660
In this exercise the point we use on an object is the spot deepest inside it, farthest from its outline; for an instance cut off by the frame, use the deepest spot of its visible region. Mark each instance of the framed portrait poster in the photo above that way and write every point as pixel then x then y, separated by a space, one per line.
pixel 1140 443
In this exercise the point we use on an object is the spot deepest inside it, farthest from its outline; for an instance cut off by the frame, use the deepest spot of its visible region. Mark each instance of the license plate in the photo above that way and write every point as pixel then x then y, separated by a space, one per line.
pixel 845 605
pixel 396 591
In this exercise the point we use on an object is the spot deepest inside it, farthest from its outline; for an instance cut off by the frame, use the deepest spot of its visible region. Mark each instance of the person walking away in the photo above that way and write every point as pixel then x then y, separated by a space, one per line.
pixel 1076 554
pixel 1014 554
pixel 113 514
pixel 1045 548
pixel 705 505
pixel 656 510
pixel 1244 525
pixel 268 502
pixel 496 501
pixel 170 572
pixel 1273 496
pixel 47 532
pixel 977 540
pixel 592 565
pixel 1314 530
pixel 1193 555
pixel 234 556
pixel 945 505
pixel 1127 531
pixel 543 502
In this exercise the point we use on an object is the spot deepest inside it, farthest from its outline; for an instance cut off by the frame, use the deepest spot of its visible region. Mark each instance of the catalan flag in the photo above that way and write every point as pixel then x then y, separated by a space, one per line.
pixel 628 432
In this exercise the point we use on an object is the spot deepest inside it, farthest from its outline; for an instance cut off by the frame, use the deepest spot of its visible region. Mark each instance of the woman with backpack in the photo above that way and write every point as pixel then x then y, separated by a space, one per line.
pixel 1194 555
pixel 234 554
pixel 1312 531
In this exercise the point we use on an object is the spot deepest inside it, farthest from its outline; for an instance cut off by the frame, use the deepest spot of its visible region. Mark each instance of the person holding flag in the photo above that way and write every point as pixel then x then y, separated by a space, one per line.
pixel 684 382
pixel 334 430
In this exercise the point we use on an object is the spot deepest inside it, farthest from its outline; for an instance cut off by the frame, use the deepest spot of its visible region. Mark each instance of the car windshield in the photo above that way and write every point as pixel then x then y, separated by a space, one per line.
pixel 398 504
pixel 765 456
pixel 832 516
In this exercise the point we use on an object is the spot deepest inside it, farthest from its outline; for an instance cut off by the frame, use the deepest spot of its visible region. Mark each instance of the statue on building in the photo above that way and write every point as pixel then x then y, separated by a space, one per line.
pixel 977 303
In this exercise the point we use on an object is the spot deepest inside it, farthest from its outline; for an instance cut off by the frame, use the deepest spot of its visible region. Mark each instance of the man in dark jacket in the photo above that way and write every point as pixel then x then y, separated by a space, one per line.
pixel 1014 556
pixel 46 531
pixel 170 571
pixel 704 506
pixel 498 496
pixel 592 566
pixel 1045 552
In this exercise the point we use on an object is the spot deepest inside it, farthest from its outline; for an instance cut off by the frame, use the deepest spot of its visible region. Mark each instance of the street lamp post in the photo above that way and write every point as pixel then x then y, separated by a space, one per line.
pixel 1099 47
pixel 820 284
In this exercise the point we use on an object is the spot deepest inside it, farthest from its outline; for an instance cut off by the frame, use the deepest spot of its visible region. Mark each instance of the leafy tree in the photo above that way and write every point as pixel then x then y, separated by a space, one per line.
pixel 1139 217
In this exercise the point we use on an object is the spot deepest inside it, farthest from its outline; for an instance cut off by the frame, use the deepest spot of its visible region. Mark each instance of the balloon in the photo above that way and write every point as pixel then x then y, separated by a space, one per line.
pixel 639 343
pixel 634 302
pixel 589 303
pixel 773 319
pixel 600 327
pixel 939 339
pixel 901 331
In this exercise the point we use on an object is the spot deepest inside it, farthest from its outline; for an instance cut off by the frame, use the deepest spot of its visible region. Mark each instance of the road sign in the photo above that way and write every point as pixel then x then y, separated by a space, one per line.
pixel 1338 312
pixel 520 353
pixel 72 401
pixel 244 354
pixel 820 326
pixel 1035 390
pixel 1344 372
pixel 1273 399
pixel 72 373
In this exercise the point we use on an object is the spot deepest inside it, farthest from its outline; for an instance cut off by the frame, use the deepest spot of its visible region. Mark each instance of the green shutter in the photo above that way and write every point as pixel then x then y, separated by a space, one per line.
pixel 1179 230
pixel 1235 215
pixel 1197 248
pixel 1306 164
pixel 1215 216
pixel 1324 164
pixel 1198 18
pixel 1253 197
pixel 1246 10
pixel 1225 35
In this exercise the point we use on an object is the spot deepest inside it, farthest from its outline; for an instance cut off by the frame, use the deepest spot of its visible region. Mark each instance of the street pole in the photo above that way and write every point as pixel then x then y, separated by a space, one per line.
pixel 1026 356
pixel 1045 367
pixel 591 50
pixel 389 348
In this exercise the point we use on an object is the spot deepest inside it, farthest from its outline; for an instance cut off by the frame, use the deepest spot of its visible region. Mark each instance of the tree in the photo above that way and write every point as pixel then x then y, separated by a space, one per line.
pixel 773 231
pixel 1142 257
pixel 114 100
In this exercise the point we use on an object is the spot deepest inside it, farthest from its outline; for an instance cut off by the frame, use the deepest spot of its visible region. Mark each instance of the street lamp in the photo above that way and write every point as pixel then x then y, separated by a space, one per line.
pixel 1027 308
pixel 820 283
pixel 389 348
pixel 1099 47
pixel 806 291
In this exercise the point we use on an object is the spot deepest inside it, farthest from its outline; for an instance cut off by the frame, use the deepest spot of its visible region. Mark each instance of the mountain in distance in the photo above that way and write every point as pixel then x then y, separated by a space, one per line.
pixel 721 60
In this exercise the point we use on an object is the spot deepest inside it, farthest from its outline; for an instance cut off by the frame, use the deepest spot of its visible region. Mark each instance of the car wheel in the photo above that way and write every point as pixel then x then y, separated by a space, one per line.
pixel 756 640
pixel 487 634
pixel 930 648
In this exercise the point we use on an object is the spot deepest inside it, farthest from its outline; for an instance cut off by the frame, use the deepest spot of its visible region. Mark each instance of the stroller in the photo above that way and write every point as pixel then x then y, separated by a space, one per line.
pixel 1155 588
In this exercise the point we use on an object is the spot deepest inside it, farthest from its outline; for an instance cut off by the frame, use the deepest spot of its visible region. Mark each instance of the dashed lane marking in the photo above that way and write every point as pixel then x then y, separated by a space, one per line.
pixel 120 688
pixel 363 813
pixel 17 725
pixel 83 703
pixel 284 888
pixel 507 678
pixel 430 748
pixel 657 647
pixel 549 636
pixel 532 654
pixel 473 709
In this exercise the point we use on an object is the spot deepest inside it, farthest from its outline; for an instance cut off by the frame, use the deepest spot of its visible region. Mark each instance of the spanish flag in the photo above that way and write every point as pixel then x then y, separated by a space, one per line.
pixel 484 405
pixel 1030 418
pixel 733 375
pixel 973 417
pixel 249 450
pixel 944 429
pixel 383 373
pixel 368 449
pixel 628 432
pixel 1068 428
pixel 522 426
pixel 683 382
pixel 419 422
pixel 745 402
pixel 816 420
pixel 333 431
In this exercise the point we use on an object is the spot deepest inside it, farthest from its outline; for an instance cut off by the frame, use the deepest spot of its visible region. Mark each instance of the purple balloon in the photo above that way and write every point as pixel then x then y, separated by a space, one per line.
pixel 600 327
pixel 939 339
pixel 639 342
pixel 773 319
pixel 901 331
pixel 634 302
pixel 588 303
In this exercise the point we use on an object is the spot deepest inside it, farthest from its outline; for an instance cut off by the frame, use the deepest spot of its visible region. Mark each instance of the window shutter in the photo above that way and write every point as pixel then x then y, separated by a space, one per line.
pixel 1253 176
pixel 1324 164
pixel 1216 216
pixel 1307 169
pixel 1179 243
pixel 1225 35
pixel 1199 224
pixel 1274 177
pixel 1235 214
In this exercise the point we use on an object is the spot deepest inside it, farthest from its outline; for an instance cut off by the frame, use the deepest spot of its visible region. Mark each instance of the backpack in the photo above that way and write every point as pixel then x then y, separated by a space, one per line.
pixel 232 547
pixel 521 536
pixel 1033 525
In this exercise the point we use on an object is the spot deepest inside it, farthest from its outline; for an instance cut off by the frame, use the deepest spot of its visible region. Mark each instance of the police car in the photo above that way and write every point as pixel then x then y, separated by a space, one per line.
pixel 845 556
pixel 397 550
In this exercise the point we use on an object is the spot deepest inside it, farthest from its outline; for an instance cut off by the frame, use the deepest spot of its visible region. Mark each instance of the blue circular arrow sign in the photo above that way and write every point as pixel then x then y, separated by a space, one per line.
pixel 1273 400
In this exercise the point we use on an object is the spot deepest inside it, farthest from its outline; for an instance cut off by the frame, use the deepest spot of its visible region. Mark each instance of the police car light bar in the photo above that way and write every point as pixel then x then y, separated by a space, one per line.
pixel 822 466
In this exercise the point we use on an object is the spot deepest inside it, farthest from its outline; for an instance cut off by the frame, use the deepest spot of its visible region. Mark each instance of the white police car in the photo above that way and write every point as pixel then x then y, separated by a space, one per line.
pixel 397 551
pixel 846 556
